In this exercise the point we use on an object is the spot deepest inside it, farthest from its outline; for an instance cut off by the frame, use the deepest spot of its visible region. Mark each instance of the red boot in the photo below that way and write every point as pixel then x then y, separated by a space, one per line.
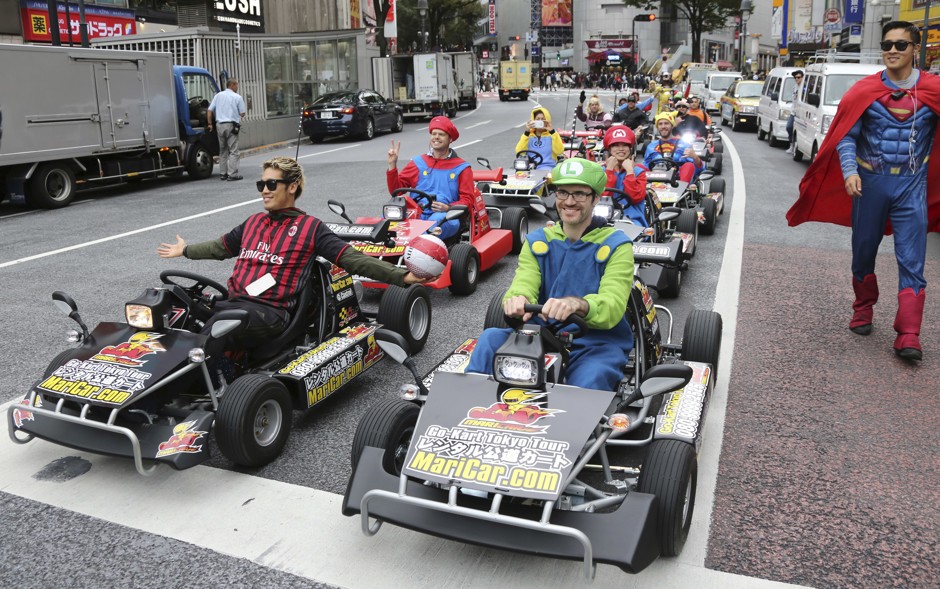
pixel 866 295
pixel 907 324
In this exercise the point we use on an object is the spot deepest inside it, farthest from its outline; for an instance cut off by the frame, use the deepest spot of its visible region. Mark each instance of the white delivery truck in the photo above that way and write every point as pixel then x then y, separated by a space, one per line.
pixel 466 78
pixel 75 118
pixel 422 84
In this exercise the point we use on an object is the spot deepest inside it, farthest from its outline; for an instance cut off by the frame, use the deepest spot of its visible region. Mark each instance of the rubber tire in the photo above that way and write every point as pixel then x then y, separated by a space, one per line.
pixel 386 425
pixel 236 416
pixel 452 112
pixel 464 269
pixel 687 222
pixel 668 470
pixel 516 220
pixel 673 283
pixel 812 156
pixel 701 338
pixel 717 185
pixel 719 147
pixel 395 309
pixel 772 139
pixel 797 155
pixel 199 163
pixel 503 98
pixel 399 124
pixel 717 165
pixel 473 104
pixel 723 123
pixel 761 134
pixel 368 132
pixel 316 139
pixel 495 317
pixel 710 211
pixel 37 193
pixel 734 123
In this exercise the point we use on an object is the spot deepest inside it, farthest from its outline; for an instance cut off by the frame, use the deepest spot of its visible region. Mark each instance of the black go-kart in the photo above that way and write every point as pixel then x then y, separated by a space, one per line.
pixel 154 387
pixel 707 201
pixel 506 461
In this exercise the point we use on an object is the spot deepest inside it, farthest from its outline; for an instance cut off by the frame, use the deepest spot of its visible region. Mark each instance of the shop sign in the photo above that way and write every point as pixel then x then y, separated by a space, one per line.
pixel 102 21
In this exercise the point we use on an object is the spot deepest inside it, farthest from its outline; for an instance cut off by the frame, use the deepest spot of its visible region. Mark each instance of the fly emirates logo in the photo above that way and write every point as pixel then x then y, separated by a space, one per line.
pixel 262 253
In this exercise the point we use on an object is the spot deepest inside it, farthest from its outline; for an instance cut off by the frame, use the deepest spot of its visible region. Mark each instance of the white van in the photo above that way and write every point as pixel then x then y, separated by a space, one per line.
pixel 827 78
pixel 716 84
pixel 775 104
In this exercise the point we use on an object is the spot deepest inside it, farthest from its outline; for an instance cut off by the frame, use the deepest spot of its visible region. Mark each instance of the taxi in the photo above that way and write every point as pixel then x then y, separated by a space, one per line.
pixel 739 103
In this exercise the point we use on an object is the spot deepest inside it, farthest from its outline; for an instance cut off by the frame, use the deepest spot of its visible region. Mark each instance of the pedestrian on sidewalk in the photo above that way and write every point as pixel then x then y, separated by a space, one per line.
pixel 225 113
pixel 882 138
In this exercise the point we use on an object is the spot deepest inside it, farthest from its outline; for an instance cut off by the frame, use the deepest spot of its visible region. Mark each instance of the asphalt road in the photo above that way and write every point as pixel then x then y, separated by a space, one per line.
pixel 101 252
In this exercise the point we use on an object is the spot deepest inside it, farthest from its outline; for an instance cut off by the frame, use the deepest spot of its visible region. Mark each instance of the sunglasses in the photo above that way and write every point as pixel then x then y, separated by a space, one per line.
pixel 271 185
pixel 899 45
pixel 564 195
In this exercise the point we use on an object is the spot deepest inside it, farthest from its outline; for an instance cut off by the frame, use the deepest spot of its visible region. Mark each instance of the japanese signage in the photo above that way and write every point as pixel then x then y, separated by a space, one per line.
pixel 102 21
pixel 491 19
pixel 854 11
pixel 230 14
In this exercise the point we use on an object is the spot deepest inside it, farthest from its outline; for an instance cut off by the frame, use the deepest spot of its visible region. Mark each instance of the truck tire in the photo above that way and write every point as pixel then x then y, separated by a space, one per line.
pixel 51 187
pixel 199 162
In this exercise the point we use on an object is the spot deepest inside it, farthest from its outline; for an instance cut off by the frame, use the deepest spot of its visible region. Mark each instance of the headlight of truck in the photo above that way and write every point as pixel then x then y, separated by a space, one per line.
pixel 515 370
pixel 139 316
pixel 393 212
pixel 749 109
pixel 825 123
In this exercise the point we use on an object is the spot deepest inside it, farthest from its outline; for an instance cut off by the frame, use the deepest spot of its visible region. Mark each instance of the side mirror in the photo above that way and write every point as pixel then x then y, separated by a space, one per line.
pixel 707 175
pixel 484 162
pixel 64 303
pixel 224 327
pixel 455 212
pixel 537 205
pixel 665 378
pixel 392 344
pixel 338 208
pixel 668 215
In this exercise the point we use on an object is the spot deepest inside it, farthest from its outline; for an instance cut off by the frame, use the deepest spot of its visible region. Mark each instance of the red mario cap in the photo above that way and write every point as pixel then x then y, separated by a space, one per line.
pixel 619 134
pixel 444 124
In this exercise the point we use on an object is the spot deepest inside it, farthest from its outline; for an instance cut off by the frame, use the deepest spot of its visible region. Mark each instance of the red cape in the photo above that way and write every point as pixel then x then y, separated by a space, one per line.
pixel 822 190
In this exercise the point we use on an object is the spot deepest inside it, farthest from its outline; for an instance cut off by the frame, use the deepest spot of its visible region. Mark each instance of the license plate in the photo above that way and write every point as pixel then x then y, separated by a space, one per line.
pixel 326 115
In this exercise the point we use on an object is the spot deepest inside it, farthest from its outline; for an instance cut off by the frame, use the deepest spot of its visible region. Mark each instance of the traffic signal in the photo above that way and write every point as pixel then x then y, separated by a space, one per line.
pixel 515 37
pixel 645 17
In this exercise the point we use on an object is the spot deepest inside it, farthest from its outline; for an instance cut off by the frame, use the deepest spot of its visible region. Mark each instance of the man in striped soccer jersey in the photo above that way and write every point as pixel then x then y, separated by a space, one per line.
pixel 275 252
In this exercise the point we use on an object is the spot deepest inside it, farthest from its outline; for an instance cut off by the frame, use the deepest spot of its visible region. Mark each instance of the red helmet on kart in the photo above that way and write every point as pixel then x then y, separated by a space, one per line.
pixel 619 134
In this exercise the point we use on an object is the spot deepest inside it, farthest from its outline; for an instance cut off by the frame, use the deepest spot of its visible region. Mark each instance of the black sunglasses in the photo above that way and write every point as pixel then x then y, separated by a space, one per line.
pixel 899 45
pixel 270 184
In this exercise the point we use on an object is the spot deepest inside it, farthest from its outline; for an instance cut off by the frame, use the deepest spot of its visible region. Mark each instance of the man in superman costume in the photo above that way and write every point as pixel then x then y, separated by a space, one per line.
pixel 872 174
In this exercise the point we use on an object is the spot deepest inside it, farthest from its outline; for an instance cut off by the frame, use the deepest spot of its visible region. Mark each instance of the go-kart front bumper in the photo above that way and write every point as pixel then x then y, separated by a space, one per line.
pixel 625 537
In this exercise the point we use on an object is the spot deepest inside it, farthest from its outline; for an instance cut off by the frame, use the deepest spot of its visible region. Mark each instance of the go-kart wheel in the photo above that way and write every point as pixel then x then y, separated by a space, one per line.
pixel 388 426
pixel 670 472
pixel 60 359
pixel 701 338
pixel 495 317
pixel 716 165
pixel 253 420
pixel 464 269
pixel 717 185
pixel 407 312
pixel 534 158
pixel 710 212
pixel 673 283
pixel 719 147
pixel 687 222
pixel 517 221
pixel 200 283
pixel 316 139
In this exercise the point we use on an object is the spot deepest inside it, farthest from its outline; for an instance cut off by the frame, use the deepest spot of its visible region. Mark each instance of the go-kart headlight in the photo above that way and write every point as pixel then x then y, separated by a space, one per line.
pixel 197 355
pixel 73 336
pixel 514 370
pixel 139 316
pixel 409 392
pixel 605 211
pixel 393 212
pixel 520 165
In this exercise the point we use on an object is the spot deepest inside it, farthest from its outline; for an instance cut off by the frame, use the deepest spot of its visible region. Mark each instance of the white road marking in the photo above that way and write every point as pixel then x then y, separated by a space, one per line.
pixel 477 124
pixel 726 304
pixel 329 151
pixel 253 201
pixel 462 145
pixel 276 525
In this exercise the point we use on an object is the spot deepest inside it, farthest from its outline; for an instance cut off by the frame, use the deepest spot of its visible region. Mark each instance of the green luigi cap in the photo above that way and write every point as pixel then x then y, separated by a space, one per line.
pixel 577 170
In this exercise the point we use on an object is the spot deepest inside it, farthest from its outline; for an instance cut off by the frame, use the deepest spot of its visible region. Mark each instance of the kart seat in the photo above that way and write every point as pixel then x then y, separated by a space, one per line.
pixel 298 322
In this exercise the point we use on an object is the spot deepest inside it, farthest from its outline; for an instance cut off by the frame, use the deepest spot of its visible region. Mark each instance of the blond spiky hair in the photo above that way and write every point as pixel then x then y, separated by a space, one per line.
pixel 291 169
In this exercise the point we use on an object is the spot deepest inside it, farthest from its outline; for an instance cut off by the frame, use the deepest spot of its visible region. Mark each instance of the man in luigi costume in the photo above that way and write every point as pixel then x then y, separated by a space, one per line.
pixel 578 265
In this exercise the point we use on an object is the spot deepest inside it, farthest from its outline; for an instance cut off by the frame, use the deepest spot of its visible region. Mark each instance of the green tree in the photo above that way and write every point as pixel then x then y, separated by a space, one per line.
pixel 704 15
pixel 451 24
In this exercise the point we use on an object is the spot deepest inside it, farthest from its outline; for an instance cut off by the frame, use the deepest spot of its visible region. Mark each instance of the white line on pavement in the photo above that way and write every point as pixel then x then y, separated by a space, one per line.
pixel 726 304
pixel 329 151
pixel 477 124
pixel 462 145
pixel 120 235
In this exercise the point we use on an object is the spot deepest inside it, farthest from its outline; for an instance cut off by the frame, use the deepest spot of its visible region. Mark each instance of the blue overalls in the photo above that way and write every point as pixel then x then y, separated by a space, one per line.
pixel 571 269
pixel 634 212
pixel 444 184
pixel 542 145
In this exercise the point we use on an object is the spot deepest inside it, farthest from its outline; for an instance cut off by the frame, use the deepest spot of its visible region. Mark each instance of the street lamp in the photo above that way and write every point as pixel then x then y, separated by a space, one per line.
pixel 746 8
pixel 423 11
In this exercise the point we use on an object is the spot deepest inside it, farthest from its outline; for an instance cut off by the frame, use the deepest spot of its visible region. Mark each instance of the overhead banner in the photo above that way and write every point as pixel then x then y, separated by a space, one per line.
pixel 854 11
pixel 556 13
pixel 595 45
pixel 102 21
pixel 391 21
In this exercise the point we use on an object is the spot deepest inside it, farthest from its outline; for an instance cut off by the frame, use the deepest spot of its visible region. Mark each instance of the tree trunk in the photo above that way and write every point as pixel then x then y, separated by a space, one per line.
pixel 696 45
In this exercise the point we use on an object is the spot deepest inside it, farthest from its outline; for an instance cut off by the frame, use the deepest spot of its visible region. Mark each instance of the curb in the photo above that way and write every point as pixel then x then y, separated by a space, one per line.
pixel 270 147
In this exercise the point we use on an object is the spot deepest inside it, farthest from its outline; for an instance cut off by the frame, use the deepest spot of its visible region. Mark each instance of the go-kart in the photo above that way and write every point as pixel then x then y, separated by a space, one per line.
pixel 515 189
pixel 584 144
pixel 476 247
pixel 153 388
pixel 508 461
pixel 709 149
pixel 663 178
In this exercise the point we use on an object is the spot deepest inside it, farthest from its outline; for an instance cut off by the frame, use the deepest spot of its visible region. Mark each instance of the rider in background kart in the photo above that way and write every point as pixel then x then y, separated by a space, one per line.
pixel 631 114
pixel 695 110
pixel 275 252
pixel 439 172
pixel 579 265
pixel 540 136
pixel 686 123
pixel 672 148
pixel 595 117
pixel 624 174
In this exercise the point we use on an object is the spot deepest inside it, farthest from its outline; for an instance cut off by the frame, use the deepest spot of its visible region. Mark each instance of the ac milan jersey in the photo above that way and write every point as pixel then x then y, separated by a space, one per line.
pixel 284 247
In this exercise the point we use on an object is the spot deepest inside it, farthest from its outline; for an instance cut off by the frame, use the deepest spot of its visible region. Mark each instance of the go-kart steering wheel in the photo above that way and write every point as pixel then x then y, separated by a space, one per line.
pixel 618 193
pixel 195 291
pixel 555 326
pixel 420 194
pixel 667 163
pixel 534 158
